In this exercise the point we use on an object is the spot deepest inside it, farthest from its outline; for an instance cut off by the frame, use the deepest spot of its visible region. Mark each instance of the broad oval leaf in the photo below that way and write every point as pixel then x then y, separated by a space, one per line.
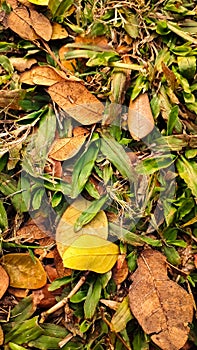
pixel 23 271
pixel 42 75
pixel 161 306
pixel 140 118
pixel 77 101
pixel 66 148
pixel 90 252
pixel 88 248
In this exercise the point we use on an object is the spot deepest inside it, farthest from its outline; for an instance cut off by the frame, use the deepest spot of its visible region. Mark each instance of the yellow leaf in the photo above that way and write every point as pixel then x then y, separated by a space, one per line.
pixel 88 248
pixel 23 271
pixel 140 118
pixel 90 252
pixel 39 2
pixel 66 235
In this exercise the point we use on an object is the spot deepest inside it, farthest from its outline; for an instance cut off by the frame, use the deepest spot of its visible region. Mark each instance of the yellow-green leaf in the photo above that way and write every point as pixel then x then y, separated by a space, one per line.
pixel 39 2
pixel 23 271
pixel 122 316
pixel 89 252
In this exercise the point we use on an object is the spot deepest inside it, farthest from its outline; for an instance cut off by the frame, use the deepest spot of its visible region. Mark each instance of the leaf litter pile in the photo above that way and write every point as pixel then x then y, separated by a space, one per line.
pixel 98 174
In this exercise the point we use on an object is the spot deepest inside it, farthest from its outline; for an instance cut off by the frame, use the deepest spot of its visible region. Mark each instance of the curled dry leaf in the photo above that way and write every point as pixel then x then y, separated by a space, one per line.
pixel 42 75
pixel 120 270
pixel 24 272
pixel 77 101
pixel 4 281
pixel 161 306
pixel 88 248
pixel 140 118
pixel 21 63
pixel 67 147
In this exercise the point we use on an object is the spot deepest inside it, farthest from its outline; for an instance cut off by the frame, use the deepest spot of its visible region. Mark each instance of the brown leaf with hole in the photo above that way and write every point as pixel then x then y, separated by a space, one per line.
pixel 140 118
pixel 67 147
pixel 161 306
pixel 41 25
pixel 24 272
pixel 77 101
pixel 4 281
pixel 42 75
pixel 20 22
pixel 21 63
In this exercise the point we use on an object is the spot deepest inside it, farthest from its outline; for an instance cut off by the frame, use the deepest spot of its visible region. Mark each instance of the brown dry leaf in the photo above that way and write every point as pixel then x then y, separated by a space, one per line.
pixel 20 22
pixel 11 98
pixel 45 242
pixel 43 298
pixel 4 281
pixel 23 271
pixel 21 63
pixel 66 148
pixel 97 40
pixel 161 306
pixel 77 101
pixel 58 32
pixel 41 25
pixel 51 272
pixel 42 75
pixel 1 336
pixel 120 270
pixel 61 270
pixel 140 118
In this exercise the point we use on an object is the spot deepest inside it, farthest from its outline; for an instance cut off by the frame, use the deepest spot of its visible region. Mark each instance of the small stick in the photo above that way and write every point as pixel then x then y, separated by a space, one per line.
pixel 63 302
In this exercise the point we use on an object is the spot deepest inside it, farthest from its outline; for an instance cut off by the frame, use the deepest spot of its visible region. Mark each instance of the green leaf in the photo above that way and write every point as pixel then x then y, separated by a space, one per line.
pixel 172 255
pixel 118 157
pixel 151 165
pixel 3 217
pixel 92 299
pixel 122 316
pixel 6 64
pixel 187 66
pixel 177 30
pixel 24 332
pixel 13 346
pixel 83 168
pixel 9 187
pixel 172 120
pixel 59 282
pixel 187 171
pixel 56 199
pixel 37 198
pixel 89 214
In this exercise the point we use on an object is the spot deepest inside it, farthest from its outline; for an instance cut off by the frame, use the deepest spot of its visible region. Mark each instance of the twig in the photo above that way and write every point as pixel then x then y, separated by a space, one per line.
pixel 64 301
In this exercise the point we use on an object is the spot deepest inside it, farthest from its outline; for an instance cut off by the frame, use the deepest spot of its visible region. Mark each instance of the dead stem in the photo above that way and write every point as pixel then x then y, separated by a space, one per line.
pixel 61 303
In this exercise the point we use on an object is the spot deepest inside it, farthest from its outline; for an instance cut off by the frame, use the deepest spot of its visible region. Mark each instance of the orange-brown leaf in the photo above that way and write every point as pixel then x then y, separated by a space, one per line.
pixel 42 75
pixel 4 281
pixel 120 270
pixel 19 21
pixel 23 271
pixel 66 148
pixel 77 101
pixel 41 25
pixel 140 118
pixel 161 306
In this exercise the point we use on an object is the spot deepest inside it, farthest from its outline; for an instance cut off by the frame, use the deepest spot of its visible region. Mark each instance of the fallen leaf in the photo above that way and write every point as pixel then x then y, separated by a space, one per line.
pixel 21 63
pixel 90 252
pixel 61 270
pixel 66 148
pixel 43 298
pixel 41 25
pixel 161 306
pixel 19 21
pixel 4 282
pixel 23 271
pixel 58 32
pixel 51 272
pixel 31 232
pixel 88 248
pixel 39 2
pixel 42 75
pixel 120 270
pixel 18 292
pixel 68 64
pixel 140 118
pixel 11 98
pixel 1 336
pixel 77 101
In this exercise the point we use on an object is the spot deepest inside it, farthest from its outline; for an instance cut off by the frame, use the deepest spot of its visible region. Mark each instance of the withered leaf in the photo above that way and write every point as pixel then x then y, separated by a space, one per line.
pixel 77 101
pixel 11 98
pixel 59 32
pixel 42 75
pixel 21 63
pixel 120 270
pixel 41 25
pixel 161 306
pixel 67 147
pixel 1 336
pixel 19 21
pixel 140 118
pixel 4 281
